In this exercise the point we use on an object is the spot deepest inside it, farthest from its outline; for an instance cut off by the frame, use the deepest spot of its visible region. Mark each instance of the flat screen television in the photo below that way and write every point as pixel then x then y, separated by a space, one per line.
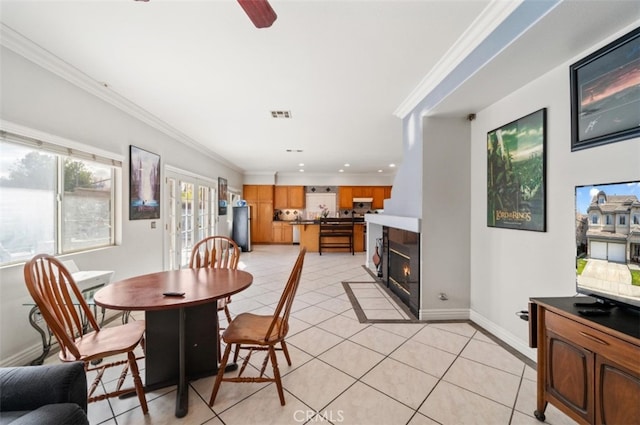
pixel 608 242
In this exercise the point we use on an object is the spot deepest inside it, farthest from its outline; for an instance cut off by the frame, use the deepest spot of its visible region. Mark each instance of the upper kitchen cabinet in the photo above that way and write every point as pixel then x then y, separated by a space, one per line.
pixel 380 193
pixel 258 192
pixel 362 191
pixel 289 197
pixel 345 197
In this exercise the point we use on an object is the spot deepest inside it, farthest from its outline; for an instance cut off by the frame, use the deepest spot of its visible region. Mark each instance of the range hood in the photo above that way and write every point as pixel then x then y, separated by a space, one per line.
pixel 362 200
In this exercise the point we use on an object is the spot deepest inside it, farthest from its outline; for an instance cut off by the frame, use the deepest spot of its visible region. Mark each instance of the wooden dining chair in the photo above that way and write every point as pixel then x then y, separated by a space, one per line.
pixel 336 233
pixel 253 332
pixel 219 252
pixel 63 308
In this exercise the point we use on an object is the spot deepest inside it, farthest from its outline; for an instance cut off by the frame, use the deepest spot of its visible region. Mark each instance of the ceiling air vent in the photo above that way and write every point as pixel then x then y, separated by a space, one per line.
pixel 281 114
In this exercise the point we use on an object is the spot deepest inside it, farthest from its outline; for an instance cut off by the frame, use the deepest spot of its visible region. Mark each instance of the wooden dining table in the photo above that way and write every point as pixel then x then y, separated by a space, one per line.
pixel 181 337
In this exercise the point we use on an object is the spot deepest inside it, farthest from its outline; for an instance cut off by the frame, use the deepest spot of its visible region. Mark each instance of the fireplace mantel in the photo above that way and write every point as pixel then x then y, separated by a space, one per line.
pixel 412 224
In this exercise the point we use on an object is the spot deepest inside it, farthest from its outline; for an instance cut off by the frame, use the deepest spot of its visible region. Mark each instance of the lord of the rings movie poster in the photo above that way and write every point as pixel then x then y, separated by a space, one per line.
pixel 516 174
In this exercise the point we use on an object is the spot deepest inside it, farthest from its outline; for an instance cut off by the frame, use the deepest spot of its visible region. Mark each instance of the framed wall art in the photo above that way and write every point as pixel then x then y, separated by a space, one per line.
pixel 144 184
pixel 516 186
pixel 222 196
pixel 605 94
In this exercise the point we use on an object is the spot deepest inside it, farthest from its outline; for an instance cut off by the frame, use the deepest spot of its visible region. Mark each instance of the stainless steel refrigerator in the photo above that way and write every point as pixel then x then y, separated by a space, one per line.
pixel 241 232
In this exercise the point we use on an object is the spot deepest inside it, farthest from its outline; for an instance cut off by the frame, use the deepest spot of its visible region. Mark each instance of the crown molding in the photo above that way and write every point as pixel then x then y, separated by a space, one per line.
pixel 26 48
pixel 490 18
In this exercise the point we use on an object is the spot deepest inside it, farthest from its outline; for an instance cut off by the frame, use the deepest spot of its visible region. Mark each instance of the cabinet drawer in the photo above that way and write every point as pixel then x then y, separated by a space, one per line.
pixel 594 340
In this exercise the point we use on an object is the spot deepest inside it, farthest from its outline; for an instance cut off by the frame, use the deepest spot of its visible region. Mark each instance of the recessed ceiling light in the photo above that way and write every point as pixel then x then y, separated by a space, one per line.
pixel 301 170
pixel 301 164
pixel 379 171
pixel 341 170
pixel 392 165
pixel 347 165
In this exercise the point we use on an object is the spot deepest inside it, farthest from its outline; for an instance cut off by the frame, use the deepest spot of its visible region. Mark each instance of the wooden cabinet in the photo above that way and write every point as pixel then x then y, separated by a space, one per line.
pixel 260 200
pixel 291 197
pixel 297 197
pixel 345 197
pixel 587 366
pixel 378 193
pixel 282 232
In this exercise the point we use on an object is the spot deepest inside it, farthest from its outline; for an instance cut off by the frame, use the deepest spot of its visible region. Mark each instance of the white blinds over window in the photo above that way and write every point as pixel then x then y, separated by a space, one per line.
pixel 60 150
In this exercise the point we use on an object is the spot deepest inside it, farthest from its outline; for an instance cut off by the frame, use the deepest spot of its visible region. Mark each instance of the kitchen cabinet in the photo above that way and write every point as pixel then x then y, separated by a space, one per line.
pixel 260 200
pixel 345 197
pixel 282 232
pixel 587 366
pixel 289 197
pixel 378 193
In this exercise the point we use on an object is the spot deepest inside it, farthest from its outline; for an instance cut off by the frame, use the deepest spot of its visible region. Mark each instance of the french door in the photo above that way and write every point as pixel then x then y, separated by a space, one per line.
pixel 191 215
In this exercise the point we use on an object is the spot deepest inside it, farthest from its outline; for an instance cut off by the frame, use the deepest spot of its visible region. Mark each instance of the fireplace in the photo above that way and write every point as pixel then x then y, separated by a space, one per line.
pixel 401 265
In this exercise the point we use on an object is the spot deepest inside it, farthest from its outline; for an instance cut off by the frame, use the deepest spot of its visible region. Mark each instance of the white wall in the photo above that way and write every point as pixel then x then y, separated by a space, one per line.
pixel 445 218
pixel 509 266
pixel 35 98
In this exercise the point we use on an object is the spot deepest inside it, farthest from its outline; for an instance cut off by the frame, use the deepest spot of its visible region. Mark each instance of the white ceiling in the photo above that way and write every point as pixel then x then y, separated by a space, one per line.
pixel 341 67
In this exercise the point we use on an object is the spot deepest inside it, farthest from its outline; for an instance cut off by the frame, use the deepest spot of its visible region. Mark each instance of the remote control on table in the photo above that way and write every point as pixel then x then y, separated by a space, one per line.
pixel 173 294
pixel 594 312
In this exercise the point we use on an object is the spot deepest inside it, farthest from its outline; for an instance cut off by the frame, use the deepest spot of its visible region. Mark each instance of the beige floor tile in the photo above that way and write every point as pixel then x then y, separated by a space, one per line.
pixel 342 326
pixel 489 382
pixel 376 304
pixel 406 330
pixel 351 358
pixel 361 404
pixel 420 419
pixel 378 340
pixel 313 315
pixel 428 359
pixel 444 340
pixel 316 383
pixel 265 409
pixel 463 329
pixel 336 305
pixel 231 393
pixel 401 382
pixel 162 411
pixel 314 340
pixel 494 356
pixel 452 405
pixel 389 314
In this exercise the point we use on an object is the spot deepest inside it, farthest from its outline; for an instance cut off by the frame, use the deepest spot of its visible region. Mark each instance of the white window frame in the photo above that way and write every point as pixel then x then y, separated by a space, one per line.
pixel 63 149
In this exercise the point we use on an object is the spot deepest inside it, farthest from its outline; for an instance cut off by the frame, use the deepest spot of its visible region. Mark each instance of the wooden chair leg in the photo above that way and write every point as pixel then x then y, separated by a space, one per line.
pixel 276 373
pixel 227 313
pixel 135 373
pixel 220 374
pixel 286 352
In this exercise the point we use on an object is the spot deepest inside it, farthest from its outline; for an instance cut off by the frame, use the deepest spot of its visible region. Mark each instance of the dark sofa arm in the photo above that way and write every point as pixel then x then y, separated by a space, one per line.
pixel 30 387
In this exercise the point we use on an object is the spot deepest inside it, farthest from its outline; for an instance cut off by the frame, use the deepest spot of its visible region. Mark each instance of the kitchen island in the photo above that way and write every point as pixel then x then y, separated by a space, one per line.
pixel 310 229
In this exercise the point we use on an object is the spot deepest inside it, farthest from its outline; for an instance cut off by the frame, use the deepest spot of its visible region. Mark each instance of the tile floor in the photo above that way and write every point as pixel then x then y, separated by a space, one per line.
pixel 347 372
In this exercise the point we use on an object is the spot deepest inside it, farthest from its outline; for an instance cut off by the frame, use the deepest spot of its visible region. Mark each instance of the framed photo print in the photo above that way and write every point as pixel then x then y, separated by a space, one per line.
pixel 516 192
pixel 144 184
pixel 222 196
pixel 605 94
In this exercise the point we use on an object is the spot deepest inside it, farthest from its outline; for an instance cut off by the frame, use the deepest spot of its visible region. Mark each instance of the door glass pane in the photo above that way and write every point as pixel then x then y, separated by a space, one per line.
pixel 203 212
pixel 173 224
pixel 27 209
pixel 86 205
pixel 187 221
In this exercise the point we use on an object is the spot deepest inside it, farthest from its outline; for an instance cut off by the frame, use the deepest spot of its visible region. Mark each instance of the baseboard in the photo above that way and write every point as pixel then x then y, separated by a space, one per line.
pixel 444 314
pixel 25 357
pixel 505 336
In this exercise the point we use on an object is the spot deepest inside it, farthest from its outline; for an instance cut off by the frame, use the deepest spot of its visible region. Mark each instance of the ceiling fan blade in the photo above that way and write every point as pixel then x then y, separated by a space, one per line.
pixel 259 11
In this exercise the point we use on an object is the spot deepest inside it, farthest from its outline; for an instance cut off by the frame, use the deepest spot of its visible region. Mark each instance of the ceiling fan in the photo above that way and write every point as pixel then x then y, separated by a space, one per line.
pixel 259 11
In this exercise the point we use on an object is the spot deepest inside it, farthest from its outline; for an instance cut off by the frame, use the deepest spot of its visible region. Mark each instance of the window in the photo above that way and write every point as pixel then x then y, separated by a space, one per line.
pixel 622 220
pixel 594 219
pixel 636 219
pixel 53 203
pixel 609 219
